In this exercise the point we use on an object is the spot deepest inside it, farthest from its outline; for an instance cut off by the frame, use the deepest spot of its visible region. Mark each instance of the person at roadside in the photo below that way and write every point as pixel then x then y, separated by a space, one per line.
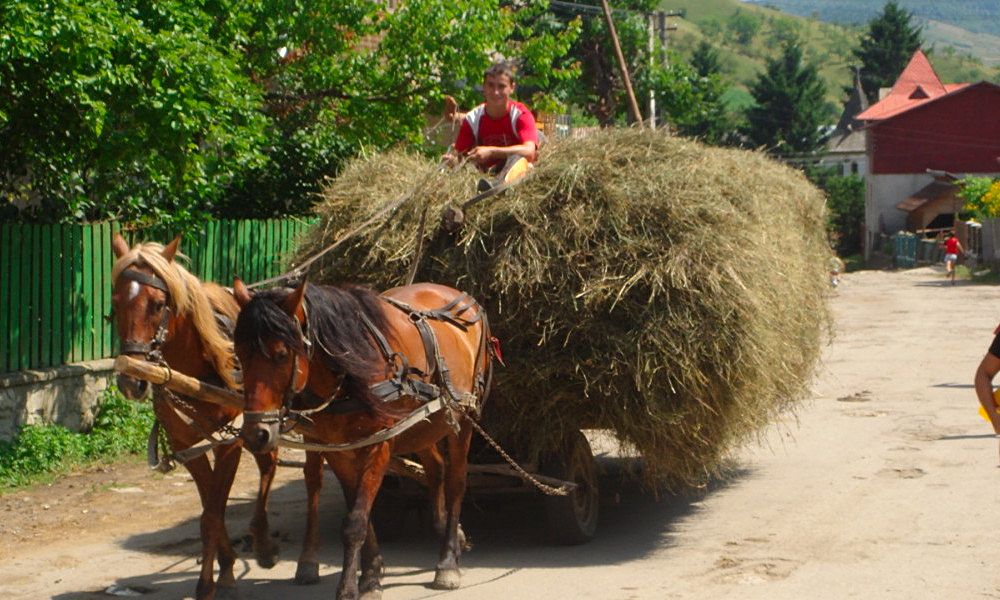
pixel 952 248
pixel 983 380
pixel 499 131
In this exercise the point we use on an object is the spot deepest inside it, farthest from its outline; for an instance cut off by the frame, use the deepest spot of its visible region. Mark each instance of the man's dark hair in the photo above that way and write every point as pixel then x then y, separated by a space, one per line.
pixel 502 67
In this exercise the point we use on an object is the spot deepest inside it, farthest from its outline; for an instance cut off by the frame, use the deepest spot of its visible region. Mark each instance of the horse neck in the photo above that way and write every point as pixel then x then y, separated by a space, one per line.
pixel 184 350
pixel 322 381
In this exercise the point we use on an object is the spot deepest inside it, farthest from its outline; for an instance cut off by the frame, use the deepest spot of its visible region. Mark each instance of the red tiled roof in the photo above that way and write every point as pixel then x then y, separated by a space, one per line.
pixel 918 83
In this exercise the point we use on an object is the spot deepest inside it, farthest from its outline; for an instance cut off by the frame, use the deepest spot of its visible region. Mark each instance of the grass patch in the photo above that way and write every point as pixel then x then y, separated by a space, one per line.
pixel 41 451
pixel 983 275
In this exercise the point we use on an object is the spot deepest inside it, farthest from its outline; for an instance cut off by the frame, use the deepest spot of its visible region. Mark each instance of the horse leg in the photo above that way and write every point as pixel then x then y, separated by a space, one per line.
pixel 433 463
pixel 201 471
pixel 360 487
pixel 372 567
pixel 447 575
pixel 307 571
pixel 227 461
pixel 264 548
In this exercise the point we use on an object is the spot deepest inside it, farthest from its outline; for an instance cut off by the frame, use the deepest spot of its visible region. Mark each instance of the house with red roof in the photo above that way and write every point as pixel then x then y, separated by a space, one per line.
pixel 918 136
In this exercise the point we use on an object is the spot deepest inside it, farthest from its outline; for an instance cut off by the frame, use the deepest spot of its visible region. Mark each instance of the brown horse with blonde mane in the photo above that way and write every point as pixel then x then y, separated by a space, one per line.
pixel 371 364
pixel 166 314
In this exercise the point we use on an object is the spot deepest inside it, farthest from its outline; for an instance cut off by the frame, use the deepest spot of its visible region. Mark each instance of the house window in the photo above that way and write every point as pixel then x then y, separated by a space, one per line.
pixel 854 168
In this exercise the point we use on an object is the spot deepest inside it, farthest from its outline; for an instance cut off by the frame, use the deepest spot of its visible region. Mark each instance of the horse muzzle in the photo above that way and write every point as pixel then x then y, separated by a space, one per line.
pixel 260 432
pixel 132 388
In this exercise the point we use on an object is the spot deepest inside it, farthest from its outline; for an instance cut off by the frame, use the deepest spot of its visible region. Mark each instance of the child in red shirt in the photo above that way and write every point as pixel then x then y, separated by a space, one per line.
pixel 952 248
pixel 498 130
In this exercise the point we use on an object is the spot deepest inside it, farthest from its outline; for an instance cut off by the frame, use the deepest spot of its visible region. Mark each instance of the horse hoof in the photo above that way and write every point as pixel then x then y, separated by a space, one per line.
pixel 307 573
pixel 447 579
pixel 267 557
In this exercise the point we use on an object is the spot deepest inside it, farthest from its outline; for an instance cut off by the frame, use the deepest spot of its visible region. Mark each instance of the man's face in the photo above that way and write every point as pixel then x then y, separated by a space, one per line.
pixel 497 89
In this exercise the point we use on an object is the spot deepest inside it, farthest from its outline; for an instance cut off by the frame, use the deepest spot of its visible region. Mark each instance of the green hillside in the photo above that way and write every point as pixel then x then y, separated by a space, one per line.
pixel 971 26
pixel 979 16
pixel 747 35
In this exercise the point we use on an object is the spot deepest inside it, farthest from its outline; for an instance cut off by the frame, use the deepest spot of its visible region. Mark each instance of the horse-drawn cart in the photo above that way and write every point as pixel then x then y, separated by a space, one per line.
pixel 567 477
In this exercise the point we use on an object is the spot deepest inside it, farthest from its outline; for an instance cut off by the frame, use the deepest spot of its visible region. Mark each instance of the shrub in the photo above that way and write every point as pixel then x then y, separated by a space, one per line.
pixel 120 428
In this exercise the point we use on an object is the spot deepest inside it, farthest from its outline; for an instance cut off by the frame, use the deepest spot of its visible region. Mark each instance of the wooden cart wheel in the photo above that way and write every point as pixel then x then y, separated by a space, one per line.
pixel 573 518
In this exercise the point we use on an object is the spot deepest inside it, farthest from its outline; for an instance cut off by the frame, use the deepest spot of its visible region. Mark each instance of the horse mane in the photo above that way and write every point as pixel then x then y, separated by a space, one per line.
pixel 333 325
pixel 193 298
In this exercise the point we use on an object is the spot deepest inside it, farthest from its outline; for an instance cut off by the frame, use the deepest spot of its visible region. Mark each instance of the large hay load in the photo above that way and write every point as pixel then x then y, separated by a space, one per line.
pixel 668 291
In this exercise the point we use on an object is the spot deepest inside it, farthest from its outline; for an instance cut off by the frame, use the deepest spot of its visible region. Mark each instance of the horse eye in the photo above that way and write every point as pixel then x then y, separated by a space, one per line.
pixel 158 305
pixel 280 356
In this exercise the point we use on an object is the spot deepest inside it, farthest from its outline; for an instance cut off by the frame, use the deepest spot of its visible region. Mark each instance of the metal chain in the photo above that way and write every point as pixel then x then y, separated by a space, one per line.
pixel 548 490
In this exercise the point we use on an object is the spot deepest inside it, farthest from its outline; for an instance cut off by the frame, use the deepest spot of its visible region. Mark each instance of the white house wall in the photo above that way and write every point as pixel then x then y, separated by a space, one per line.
pixel 882 194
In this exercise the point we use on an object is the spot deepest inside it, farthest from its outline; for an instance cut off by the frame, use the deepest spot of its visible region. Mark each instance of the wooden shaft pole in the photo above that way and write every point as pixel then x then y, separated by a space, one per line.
pixel 633 103
pixel 178 382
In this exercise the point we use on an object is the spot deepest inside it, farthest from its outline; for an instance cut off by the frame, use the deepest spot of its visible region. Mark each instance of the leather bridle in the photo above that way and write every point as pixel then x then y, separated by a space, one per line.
pixel 151 349
pixel 296 384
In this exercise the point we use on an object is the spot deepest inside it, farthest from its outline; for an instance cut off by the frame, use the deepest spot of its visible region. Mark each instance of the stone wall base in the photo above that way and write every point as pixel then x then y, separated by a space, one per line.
pixel 64 395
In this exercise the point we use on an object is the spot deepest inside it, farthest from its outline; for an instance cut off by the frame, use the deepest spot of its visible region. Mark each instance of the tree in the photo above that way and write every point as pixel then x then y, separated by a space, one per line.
pixel 886 48
pixel 789 105
pixel 744 26
pixel 691 101
pixel 599 89
pixel 171 111
pixel 845 201
pixel 705 60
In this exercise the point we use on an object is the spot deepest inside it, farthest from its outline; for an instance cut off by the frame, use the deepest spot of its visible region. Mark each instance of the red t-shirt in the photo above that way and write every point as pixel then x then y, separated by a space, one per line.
pixel 951 245
pixel 517 126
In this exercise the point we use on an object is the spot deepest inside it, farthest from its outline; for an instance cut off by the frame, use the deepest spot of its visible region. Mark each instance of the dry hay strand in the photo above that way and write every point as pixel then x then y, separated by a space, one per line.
pixel 671 292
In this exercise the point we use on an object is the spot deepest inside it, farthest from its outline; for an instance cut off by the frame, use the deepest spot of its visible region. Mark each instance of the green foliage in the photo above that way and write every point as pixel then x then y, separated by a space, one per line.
pixel 600 89
pixel 705 60
pixel 845 202
pixel 170 112
pixel 886 47
pixel 120 428
pixel 744 26
pixel 789 106
pixel 981 195
pixel 119 110
pixel 691 103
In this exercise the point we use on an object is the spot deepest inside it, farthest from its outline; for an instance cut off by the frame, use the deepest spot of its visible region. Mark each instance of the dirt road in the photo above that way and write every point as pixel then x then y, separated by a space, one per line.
pixel 883 485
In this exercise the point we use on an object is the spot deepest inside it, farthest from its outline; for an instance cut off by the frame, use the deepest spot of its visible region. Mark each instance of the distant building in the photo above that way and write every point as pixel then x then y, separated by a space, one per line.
pixel 921 129
pixel 846 148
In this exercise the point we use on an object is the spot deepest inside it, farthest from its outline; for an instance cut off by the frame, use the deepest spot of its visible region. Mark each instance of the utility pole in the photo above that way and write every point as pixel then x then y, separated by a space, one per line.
pixel 658 20
pixel 650 23
pixel 633 104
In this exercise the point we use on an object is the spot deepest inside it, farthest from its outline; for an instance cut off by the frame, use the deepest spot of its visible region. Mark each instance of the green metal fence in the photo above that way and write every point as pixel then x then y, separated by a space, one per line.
pixel 55 288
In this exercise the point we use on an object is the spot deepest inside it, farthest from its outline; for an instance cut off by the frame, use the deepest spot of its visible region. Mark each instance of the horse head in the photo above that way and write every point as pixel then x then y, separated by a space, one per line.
pixel 274 351
pixel 141 304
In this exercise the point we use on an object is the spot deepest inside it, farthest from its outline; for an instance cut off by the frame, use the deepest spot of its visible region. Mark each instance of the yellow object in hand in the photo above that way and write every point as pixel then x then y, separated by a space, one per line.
pixel 996 401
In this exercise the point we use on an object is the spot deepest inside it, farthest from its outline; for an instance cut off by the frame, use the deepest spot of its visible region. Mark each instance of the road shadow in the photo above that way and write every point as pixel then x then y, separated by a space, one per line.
pixel 507 532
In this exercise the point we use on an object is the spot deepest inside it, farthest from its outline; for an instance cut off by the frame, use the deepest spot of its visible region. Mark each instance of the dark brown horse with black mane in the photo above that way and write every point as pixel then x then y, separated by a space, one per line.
pixel 164 313
pixel 375 365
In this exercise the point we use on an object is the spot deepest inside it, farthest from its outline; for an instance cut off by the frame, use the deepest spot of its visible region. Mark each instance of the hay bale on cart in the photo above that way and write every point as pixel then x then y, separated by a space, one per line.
pixel 668 291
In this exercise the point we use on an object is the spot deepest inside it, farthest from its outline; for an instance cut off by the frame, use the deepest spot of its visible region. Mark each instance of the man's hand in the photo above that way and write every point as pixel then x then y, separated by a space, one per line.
pixel 481 154
pixel 451 159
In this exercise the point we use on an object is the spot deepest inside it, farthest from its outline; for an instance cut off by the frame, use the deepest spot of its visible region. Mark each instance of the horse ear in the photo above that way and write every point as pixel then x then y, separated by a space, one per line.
pixel 294 300
pixel 171 250
pixel 119 246
pixel 241 292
